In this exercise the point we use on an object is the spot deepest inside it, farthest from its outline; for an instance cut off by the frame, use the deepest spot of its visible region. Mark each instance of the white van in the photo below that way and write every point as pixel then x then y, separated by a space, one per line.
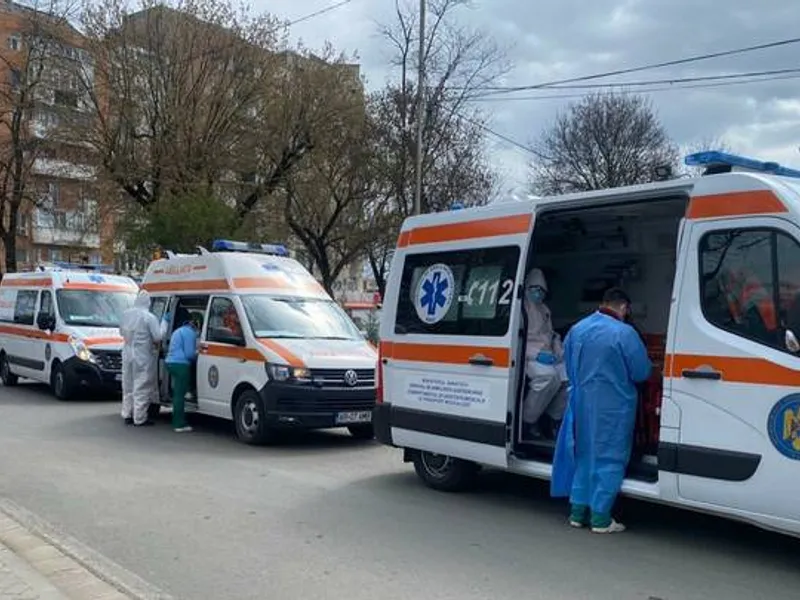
pixel 276 352
pixel 61 326
pixel 719 423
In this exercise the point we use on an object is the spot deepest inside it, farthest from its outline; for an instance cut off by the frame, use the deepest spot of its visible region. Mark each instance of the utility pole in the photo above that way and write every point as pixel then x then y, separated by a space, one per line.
pixel 420 109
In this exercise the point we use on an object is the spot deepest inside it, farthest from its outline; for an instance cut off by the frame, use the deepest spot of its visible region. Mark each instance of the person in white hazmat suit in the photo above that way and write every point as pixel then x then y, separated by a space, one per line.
pixel 141 333
pixel 544 361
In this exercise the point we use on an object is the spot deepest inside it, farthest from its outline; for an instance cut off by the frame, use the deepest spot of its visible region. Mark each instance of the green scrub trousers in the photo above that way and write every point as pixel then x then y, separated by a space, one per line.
pixel 181 376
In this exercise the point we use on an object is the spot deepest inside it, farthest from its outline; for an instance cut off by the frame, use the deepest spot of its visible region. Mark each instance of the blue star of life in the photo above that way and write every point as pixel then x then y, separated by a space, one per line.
pixel 434 289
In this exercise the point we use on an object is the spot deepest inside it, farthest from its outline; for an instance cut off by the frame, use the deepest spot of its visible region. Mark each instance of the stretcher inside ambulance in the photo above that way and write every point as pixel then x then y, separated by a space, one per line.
pixel 60 326
pixel 275 351
pixel 712 265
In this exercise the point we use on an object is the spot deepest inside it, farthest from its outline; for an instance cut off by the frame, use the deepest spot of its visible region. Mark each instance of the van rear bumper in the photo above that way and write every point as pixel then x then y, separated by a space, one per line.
pixel 382 422
pixel 308 407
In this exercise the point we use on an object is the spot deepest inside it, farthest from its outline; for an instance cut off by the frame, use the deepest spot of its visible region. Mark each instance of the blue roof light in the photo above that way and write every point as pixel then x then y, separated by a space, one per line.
pixel 70 266
pixel 722 162
pixel 232 246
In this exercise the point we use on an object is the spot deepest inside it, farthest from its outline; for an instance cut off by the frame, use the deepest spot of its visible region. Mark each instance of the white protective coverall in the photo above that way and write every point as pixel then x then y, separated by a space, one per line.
pixel 547 389
pixel 141 332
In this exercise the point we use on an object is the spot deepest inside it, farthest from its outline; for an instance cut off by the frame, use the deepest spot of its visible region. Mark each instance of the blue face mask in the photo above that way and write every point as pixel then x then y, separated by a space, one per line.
pixel 536 295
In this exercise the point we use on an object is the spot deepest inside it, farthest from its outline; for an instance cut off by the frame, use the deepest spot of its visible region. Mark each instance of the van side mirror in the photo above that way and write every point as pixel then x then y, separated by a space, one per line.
pixel 46 322
pixel 790 340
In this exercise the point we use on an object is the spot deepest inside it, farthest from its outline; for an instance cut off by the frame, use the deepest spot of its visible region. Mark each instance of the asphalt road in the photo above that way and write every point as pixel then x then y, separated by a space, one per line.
pixel 326 517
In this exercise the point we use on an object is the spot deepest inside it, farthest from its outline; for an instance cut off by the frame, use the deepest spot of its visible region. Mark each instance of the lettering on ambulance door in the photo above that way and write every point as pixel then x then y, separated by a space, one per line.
pixel 449 360
pixel 220 362
pixel 736 367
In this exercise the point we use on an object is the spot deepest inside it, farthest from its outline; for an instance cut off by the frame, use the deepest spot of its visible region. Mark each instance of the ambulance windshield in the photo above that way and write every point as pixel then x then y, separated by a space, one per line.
pixel 93 308
pixel 291 317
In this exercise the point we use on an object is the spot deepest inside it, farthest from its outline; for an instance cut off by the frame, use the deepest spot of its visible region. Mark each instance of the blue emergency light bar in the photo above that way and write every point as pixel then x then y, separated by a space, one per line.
pixel 722 162
pixel 68 266
pixel 231 246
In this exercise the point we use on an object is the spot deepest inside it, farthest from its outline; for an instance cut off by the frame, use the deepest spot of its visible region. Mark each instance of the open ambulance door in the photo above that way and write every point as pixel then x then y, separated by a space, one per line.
pixel 450 332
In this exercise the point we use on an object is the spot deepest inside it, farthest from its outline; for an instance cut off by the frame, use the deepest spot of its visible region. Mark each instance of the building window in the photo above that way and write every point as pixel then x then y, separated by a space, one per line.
pixel 22 224
pixel 22 256
pixel 55 254
pixel 15 42
pixel 750 283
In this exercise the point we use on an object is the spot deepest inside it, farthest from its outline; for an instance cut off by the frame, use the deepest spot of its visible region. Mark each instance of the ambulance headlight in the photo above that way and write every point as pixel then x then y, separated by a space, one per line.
pixel 80 350
pixel 283 373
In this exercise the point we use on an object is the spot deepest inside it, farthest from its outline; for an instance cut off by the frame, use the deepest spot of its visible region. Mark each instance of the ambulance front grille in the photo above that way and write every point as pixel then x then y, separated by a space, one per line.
pixel 313 405
pixel 109 360
pixel 336 378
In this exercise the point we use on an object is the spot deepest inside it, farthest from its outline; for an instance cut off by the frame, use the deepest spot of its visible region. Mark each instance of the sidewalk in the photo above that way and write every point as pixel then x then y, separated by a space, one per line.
pixel 32 569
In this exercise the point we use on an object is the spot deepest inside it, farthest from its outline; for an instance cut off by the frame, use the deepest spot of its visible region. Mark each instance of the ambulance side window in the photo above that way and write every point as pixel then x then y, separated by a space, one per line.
pixel 462 292
pixel 8 299
pixel 158 305
pixel 750 283
pixel 223 323
pixel 25 307
pixel 46 306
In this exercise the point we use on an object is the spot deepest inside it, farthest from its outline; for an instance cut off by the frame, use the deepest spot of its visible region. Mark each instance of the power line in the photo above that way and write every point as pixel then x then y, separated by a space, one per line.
pixel 668 88
pixel 498 135
pixel 659 65
pixel 319 12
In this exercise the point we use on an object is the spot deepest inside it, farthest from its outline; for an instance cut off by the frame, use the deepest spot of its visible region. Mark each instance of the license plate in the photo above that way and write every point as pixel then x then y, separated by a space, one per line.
pixel 361 416
pixel 118 377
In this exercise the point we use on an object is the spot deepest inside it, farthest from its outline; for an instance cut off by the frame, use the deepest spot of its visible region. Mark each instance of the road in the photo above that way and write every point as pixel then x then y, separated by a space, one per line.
pixel 326 517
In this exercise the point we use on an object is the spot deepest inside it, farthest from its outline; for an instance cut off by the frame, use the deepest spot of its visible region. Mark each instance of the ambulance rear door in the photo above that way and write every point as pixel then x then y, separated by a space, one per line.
pixel 451 329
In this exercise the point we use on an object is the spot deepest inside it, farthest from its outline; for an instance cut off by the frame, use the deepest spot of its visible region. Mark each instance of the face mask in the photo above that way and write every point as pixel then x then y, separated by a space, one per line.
pixel 536 295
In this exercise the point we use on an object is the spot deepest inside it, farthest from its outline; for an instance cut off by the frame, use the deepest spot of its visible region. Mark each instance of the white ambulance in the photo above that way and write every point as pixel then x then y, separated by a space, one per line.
pixel 713 268
pixel 276 352
pixel 60 325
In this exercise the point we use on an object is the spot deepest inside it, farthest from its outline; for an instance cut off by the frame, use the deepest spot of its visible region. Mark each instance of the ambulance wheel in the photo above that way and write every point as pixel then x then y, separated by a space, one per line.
pixel 60 383
pixel 444 473
pixel 362 432
pixel 6 376
pixel 249 416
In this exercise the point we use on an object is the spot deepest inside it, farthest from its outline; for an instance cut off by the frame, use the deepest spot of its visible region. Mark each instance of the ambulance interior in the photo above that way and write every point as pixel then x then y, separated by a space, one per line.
pixel 582 253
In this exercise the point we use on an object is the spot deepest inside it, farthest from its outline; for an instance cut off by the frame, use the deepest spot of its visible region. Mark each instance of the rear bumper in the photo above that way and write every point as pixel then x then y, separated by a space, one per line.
pixel 90 376
pixel 381 420
pixel 309 407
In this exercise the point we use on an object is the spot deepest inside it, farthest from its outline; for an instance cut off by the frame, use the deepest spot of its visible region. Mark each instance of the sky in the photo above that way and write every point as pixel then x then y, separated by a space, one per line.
pixel 555 40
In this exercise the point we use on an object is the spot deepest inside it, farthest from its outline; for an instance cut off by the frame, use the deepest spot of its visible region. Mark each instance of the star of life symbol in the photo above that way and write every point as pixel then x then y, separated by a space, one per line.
pixel 434 293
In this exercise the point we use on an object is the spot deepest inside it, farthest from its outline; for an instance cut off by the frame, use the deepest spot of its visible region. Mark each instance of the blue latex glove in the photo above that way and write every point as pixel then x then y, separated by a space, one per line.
pixel 546 358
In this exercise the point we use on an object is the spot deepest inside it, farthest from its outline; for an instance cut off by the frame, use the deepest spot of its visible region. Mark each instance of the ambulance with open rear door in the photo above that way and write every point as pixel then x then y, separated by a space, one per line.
pixel 275 351
pixel 712 265
pixel 60 325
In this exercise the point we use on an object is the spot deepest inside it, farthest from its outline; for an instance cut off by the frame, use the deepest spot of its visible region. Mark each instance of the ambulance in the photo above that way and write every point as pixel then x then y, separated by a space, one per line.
pixel 275 351
pixel 59 325
pixel 712 265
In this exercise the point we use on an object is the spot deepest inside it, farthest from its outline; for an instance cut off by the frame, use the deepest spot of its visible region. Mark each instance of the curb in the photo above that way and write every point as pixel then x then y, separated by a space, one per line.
pixel 124 582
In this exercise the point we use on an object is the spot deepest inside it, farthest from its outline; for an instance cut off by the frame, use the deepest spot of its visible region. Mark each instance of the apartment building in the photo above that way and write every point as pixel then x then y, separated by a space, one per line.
pixel 59 216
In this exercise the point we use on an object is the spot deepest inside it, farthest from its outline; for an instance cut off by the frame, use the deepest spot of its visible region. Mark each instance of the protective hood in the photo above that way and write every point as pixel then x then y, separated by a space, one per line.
pixel 142 300
pixel 536 277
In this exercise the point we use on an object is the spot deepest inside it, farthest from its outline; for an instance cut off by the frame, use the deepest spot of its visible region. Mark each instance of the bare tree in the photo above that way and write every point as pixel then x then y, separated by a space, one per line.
pixel 460 63
pixel 36 54
pixel 198 100
pixel 602 141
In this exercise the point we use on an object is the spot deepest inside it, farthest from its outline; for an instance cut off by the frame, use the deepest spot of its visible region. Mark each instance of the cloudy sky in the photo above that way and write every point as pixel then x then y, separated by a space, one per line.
pixel 560 39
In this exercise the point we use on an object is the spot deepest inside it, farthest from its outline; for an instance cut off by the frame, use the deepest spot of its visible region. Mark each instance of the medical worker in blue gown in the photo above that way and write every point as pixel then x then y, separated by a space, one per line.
pixel 605 359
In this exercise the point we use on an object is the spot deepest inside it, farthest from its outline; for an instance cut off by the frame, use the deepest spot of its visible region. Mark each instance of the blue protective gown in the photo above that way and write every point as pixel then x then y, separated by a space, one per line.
pixel 605 358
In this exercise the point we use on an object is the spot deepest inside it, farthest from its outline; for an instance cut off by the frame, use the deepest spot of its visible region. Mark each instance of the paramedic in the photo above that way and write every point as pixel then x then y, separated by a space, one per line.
pixel 180 358
pixel 605 359
pixel 141 334
pixel 544 360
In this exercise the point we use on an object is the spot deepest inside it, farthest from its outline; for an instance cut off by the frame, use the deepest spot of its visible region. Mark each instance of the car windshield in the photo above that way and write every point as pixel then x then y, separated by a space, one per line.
pixel 93 308
pixel 275 317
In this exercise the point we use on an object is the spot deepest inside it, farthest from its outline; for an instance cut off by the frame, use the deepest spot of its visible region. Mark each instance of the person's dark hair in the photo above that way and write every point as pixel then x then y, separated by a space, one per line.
pixel 615 297
pixel 182 317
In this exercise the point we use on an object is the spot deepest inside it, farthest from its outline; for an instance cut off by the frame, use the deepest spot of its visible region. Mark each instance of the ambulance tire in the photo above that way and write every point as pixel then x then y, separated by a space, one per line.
pixel 362 432
pixel 59 382
pixel 444 473
pixel 249 418
pixel 6 376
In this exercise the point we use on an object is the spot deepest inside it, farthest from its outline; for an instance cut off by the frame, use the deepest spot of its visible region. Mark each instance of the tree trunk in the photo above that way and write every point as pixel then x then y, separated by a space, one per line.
pixel 10 244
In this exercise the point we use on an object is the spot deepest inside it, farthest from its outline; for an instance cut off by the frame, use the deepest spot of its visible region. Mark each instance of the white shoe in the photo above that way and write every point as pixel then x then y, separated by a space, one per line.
pixel 576 524
pixel 186 429
pixel 614 527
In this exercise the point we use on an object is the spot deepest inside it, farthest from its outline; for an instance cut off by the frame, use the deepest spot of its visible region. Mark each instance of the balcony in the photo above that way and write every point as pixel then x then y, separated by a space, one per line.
pixel 64 228
pixel 62 169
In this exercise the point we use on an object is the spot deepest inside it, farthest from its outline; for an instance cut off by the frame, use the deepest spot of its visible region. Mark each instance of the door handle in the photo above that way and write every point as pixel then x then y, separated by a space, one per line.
pixel 481 360
pixel 710 375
